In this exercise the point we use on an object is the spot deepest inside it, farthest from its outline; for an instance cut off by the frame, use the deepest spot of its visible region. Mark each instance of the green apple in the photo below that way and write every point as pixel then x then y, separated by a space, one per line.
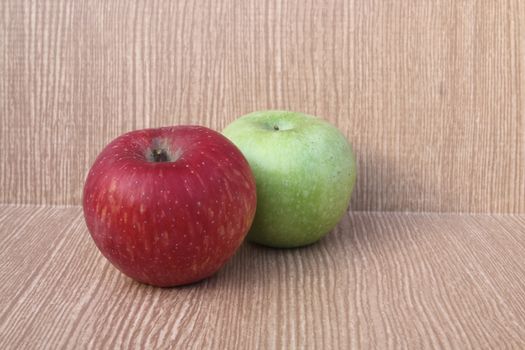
pixel 304 172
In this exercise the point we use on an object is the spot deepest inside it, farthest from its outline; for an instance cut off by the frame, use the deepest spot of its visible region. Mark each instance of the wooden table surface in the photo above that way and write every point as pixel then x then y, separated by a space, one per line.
pixel 380 280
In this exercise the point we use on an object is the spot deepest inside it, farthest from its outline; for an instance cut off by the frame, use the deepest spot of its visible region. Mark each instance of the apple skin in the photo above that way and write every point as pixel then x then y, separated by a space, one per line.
pixel 305 173
pixel 169 206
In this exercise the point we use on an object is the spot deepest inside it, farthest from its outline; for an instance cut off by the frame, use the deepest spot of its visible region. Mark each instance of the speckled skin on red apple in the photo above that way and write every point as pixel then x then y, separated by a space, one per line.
pixel 175 221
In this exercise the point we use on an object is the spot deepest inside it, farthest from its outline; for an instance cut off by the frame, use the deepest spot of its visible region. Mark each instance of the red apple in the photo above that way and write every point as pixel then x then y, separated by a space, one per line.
pixel 169 206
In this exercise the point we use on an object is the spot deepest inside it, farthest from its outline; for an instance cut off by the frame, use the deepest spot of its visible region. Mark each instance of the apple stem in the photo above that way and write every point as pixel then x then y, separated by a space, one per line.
pixel 160 155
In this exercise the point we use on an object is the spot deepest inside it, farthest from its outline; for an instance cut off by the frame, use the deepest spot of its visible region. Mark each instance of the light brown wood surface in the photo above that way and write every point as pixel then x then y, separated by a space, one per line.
pixel 430 93
pixel 380 280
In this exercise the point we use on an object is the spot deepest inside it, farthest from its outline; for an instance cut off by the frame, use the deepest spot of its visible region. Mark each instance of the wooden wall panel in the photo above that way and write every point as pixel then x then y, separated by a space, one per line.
pixel 430 93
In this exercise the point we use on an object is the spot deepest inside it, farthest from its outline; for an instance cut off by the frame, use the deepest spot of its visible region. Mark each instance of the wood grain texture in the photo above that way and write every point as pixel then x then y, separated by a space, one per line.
pixel 430 93
pixel 380 280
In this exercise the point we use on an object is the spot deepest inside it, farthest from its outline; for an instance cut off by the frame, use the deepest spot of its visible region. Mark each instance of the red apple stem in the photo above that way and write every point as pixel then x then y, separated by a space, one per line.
pixel 160 155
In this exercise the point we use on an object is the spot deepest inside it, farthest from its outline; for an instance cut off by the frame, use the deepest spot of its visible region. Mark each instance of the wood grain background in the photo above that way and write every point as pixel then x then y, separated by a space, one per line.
pixel 430 93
